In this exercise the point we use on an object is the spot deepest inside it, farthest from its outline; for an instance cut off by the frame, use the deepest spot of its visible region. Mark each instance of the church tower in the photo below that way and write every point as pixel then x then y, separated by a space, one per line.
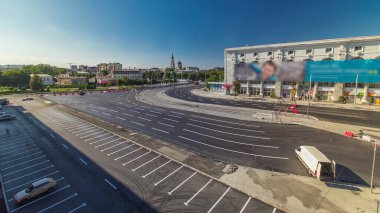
pixel 179 65
pixel 172 63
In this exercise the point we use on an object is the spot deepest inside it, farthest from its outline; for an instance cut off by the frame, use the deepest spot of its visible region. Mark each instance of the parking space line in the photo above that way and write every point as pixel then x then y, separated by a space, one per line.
pixel 112 146
pixel 221 197
pixel 55 204
pixel 155 112
pixel 134 111
pixel 17 146
pixel 175 116
pixel 204 186
pixel 23 162
pixel 20 153
pixel 151 115
pixel 160 130
pixel 18 149
pixel 88 139
pixel 109 154
pixel 146 163
pixel 54 192
pixel 144 176
pixel 160 109
pixel 170 193
pixel 137 123
pixel 29 182
pixel 83 161
pixel 82 130
pixel 85 133
pixel 144 119
pixel 12 140
pixel 26 168
pixel 65 146
pixel 12 143
pixel 128 153
pixel 165 124
pixel 107 142
pixel 120 118
pixel 127 114
pixel 245 205
pixel 180 113
pixel 168 119
pixel 21 158
pixel 76 208
pixel 19 177
pixel 113 186
pixel 101 139
pixel 136 158
pixel 274 210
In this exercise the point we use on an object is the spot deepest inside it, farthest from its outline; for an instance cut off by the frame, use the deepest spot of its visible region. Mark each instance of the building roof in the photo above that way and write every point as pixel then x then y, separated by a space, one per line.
pixel 42 75
pixel 312 42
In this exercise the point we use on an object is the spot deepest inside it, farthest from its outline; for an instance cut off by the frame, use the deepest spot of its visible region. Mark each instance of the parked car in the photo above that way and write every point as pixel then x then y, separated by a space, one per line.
pixel 317 164
pixel 27 99
pixel 6 117
pixel 39 187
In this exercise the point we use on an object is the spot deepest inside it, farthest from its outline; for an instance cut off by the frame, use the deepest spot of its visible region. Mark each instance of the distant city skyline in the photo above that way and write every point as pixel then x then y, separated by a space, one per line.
pixel 145 33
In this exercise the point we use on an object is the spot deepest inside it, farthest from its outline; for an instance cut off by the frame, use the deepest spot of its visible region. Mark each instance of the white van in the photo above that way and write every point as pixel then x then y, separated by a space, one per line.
pixel 316 162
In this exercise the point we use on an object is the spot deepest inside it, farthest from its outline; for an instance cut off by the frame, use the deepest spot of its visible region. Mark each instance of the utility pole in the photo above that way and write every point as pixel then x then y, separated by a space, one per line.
pixel 308 97
pixel 356 88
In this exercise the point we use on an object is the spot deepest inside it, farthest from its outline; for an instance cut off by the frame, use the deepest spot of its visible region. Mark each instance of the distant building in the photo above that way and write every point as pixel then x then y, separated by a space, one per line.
pixel 101 67
pixel 11 66
pixel 66 79
pixel 47 80
pixel 191 69
pixel 219 68
pixel 134 74
pixel 179 65
pixel 172 63
pixel 115 66
pixel 74 67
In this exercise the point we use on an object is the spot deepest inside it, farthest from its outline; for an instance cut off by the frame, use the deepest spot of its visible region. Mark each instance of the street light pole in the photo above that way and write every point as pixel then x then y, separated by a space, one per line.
pixel 308 101
pixel 356 88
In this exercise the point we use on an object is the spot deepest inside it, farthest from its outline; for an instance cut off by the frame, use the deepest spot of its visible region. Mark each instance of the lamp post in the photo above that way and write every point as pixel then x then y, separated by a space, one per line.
pixel 308 97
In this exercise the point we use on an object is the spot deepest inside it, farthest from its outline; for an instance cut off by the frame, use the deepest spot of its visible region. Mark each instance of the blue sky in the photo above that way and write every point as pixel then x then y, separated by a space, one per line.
pixel 144 33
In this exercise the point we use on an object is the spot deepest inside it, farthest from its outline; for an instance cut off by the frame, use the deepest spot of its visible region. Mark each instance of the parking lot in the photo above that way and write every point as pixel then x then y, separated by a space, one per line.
pixel 164 183
pixel 22 163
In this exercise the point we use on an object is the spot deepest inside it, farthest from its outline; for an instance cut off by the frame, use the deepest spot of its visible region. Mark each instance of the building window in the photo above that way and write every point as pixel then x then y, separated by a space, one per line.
pixel 353 85
pixel 255 54
pixel 270 53
pixel 269 82
pixel 268 91
pixel 289 83
pixel 377 86
pixel 255 91
pixel 328 50
pixel 326 84
pixel 242 55
pixel 358 48
pixel 291 52
pixel 308 51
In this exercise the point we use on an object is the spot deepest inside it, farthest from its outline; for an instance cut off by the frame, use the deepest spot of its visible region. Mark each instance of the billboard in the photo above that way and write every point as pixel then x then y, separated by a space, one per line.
pixel 270 71
pixel 367 71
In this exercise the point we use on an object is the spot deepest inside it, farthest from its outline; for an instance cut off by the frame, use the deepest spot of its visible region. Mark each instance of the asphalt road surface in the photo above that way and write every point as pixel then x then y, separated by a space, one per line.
pixel 346 116
pixel 255 144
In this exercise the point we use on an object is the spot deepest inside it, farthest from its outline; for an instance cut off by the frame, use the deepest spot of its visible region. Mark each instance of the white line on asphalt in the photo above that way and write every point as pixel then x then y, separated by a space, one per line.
pixel 113 186
pixel 101 139
pixel 76 208
pixel 127 114
pixel 94 110
pixel 54 192
pixel 159 109
pixel 121 108
pixel 144 176
pixel 81 129
pixel 52 135
pixel 245 205
pixel 19 149
pixel 144 119
pixel 134 111
pixel 71 196
pixel 168 119
pixel 145 163
pixel 107 142
pixel 155 112
pixel 19 177
pixel 25 168
pixel 229 127
pixel 175 116
pixel 128 153
pixel 65 146
pixel 109 154
pixel 182 183
pixel 21 158
pixel 204 186
pixel 229 141
pixel 120 118
pixel 136 158
pixel 89 139
pixel 87 132
pixel 17 146
pixel 29 182
pixel 83 161
pixel 168 175
pixel 106 113
pixel 19 153
pixel 160 130
pixel 274 210
pixel 229 133
pixel 165 124
pixel 113 110
pixel 245 153
pixel 23 162
pixel 224 121
pixel 137 123
pixel 180 113
pixel 221 197
pixel 102 150
pixel 150 115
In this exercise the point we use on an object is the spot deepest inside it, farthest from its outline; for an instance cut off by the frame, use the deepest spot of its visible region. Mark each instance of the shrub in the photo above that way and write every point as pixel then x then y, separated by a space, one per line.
pixel 342 99
pixel 273 95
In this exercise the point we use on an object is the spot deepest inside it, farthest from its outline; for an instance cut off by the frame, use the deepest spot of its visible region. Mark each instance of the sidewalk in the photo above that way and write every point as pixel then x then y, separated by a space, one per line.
pixel 359 106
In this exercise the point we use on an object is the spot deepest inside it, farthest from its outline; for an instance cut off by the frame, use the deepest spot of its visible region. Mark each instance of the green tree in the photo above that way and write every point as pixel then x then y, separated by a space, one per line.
pixel 15 78
pixel 36 83
pixel 105 72
pixel 236 86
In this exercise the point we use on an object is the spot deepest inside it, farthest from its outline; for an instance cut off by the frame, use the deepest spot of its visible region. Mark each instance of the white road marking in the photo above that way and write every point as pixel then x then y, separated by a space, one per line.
pixel 19 177
pixel 136 158
pixel 109 154
pixel 230 150
pixel 274 210
pixel 245 205
pixel 83 161
pixel 175 116
pixel 87 132
pixel 29 182
pixel 221 197
pixel 121 108
pixel 150 115
pixel 229 133
pixel 113 110
pixel 102 150
pixel 89 139
pixel 20 153
pixel 65 146
pixel 165 124
pixel 101 139
pixel 229 127
pixel 23 162
pixel 107 142
pixel 4 175
pixel 159 109
pixel 146 175
pixel 106 113
pixel 79 207
pixel 137 123
pixel 168 175
pixel 144 119
pixel 146 163
pixel 168 119
pixel 127 114
pixel 182 183
pixel 134 111
pixel 113 186
pixel 81 129
pixel 204 186
pixel 160 130
pixel 24 144
pixel 155 112
pixel 21 158
pixel 224 121
pixel 180 113
pixel 128 153
pixel 52 135
pixel 95 133
pixel 120 118
pixel 71 196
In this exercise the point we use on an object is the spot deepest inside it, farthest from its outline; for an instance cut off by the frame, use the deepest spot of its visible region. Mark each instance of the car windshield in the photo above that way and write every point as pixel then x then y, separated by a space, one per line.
pixel 29 189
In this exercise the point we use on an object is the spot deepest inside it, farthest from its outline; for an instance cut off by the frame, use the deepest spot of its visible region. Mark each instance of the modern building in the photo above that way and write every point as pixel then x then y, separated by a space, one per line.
pixel 47 80
pixel 134 74
pixel 366 47
pixel 109 66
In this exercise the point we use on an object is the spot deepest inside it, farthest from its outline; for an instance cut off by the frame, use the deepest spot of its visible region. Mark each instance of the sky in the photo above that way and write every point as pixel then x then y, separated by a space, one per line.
pixel 144 33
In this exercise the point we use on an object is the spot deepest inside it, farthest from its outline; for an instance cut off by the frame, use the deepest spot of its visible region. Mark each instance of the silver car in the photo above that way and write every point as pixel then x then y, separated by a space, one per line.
pixel 37 188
